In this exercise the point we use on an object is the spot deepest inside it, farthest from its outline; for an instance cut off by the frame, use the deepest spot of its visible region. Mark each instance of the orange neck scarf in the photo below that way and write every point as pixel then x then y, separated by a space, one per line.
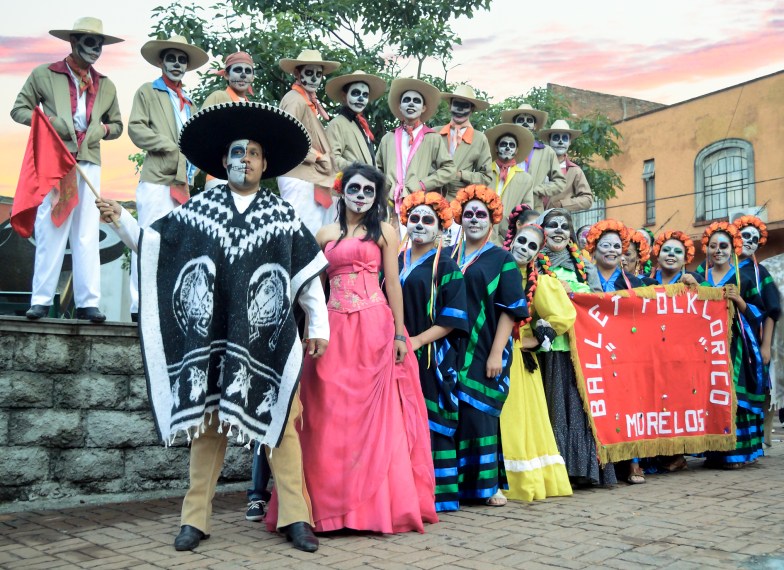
pixel 312 100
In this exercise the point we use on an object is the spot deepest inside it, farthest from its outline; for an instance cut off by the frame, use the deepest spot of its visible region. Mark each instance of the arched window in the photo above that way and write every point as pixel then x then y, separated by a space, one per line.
pixel 723 179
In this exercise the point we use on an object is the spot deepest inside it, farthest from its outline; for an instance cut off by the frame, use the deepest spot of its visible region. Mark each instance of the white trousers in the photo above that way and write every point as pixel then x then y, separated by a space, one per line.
pixel 81 229
pixel 299 194
pixel 153 202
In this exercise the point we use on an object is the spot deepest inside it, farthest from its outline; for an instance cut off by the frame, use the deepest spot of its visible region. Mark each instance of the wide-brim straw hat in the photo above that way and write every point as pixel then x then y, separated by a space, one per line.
pixel 467 93
pixel 559 126
pixel 86 25
pixel 206 136
pixel 151 51
pixel 308 57
pixel 430 94
pixel 525 108
pixel 525 139
pixel 335 85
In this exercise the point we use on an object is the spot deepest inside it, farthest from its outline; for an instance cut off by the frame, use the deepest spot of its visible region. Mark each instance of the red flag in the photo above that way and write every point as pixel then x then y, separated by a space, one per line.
pixel 46 162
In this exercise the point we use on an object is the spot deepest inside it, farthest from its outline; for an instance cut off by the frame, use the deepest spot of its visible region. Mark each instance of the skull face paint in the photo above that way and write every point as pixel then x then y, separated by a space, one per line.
pixel 672 256
pixel 526 120
pixel 556 233
pixel 240 77
pixel 526 245
pixel 476 220
pixel 88 47
pixel 609 250
pixel 174 63
pixel 751 238
pixel 560 143
pixel 359 194
pixel 720 248
pixel 235 162
pixel 506 147
pixel 630 259
pixel 412 105
pixel 310 76
pixel 422 225
pixel 357 96
pixel 460 110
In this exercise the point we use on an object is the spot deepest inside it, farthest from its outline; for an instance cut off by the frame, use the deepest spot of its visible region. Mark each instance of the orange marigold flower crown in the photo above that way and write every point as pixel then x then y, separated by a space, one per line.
pixel 727 228
pixel 687 242
pixel 744 221
pixel 432 199
pixel 605 226
pixel 639 239
pixel 484 195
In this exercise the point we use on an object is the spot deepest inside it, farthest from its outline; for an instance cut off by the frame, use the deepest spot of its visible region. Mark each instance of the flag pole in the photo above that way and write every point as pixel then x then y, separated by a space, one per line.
pixel 81 172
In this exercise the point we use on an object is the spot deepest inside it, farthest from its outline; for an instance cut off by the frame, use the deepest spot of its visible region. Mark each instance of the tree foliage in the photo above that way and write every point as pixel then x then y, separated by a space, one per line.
pixel 390 38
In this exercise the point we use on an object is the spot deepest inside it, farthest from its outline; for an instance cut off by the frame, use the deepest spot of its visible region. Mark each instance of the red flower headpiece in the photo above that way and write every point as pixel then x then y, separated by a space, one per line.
pixel 744 221
pixel 484 195
pixel 688 244
pixel 727 228
pixel 605 226
pixel 432 199
pixel 639 239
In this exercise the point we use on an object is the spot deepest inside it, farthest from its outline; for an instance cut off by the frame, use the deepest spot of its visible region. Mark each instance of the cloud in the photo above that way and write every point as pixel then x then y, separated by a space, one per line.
pixel 20 54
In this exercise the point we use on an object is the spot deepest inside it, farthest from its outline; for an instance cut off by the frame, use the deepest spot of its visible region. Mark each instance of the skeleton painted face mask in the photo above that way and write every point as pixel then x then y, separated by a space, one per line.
pixel 630 258
pixel 556 233
pixel 235 162
pixel 240 77
pixel 357 96
pixel 751 238
pixel 89 47
pixel 608 251
pixel 359 194
pixel 672 255
pixel 476 220
pixel 412 104
pixel 460 110
pixel 175 64
pixel 526 120
pixel 422 225
pixel 720 248
pixel 526 245
pixel 506 147
pixel 560 142
pixel 310 76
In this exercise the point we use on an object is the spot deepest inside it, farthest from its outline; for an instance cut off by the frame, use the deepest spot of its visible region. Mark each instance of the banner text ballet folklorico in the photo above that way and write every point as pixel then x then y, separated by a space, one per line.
pixel 654 371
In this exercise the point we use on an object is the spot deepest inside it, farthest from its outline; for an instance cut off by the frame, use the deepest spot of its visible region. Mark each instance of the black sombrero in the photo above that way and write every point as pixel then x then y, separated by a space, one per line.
pixel 207 134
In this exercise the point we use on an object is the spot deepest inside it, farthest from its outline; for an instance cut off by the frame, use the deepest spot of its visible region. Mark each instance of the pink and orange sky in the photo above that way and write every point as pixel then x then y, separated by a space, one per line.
pixel 666 51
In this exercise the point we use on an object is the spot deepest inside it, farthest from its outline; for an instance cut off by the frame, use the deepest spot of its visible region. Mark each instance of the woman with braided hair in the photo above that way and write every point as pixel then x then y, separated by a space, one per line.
pixel 722 244
pixel 561 258
pixel 496 301
pixel 535 469
pixel 436 318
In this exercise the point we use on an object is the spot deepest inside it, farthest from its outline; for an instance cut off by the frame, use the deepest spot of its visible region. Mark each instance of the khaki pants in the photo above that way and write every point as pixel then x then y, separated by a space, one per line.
pixel 207 454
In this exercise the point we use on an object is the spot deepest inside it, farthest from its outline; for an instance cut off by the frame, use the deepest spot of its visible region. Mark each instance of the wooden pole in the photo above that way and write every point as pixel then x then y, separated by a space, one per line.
pixel 81 172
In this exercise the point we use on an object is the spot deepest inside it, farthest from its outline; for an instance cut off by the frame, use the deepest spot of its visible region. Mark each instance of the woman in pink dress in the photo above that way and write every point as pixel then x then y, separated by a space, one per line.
pixel 364 432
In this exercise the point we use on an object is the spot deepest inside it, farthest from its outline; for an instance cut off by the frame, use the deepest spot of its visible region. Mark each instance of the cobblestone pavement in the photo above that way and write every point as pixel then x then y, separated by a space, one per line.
pixel 698 518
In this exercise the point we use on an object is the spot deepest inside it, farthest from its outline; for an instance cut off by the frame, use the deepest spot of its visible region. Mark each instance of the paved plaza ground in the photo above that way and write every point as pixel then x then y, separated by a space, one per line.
pixel 698 518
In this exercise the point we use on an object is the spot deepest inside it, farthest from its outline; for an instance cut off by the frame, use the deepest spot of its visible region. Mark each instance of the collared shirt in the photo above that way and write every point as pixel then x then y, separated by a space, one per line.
pixel 406 143
pixel 80 115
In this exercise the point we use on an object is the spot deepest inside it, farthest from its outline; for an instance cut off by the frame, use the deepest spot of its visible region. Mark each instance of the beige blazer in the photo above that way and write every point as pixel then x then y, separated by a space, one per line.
pixel 51 90
pixel 348 143
pixel 577 195
pixel 472 160
pixel 431 164
pixel 518 189
pixel 319 165
pixel 545 169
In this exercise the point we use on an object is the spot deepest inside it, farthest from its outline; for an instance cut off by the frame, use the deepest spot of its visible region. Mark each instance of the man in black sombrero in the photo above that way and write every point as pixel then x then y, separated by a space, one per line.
pixel 218 280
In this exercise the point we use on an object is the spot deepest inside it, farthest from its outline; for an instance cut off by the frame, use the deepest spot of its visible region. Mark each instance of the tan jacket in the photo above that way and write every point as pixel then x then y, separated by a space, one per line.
pixel 218 97
pixel 577 195
pixel 319 165
pixel 545 169
pixel 153 128
pixel 51 89
pixel 431 164
pixel 348 143
pixel 518 189
pixel 472 159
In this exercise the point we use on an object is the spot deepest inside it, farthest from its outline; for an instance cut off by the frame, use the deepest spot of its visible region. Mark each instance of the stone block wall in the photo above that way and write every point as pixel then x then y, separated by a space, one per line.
pixel 75 419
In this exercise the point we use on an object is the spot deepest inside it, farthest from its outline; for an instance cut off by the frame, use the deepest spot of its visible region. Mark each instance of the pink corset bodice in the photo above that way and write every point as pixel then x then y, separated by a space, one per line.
pixel 353 275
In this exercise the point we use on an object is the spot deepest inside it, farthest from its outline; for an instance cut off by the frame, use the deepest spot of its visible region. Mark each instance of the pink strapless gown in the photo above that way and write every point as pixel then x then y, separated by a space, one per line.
pixel 365 436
